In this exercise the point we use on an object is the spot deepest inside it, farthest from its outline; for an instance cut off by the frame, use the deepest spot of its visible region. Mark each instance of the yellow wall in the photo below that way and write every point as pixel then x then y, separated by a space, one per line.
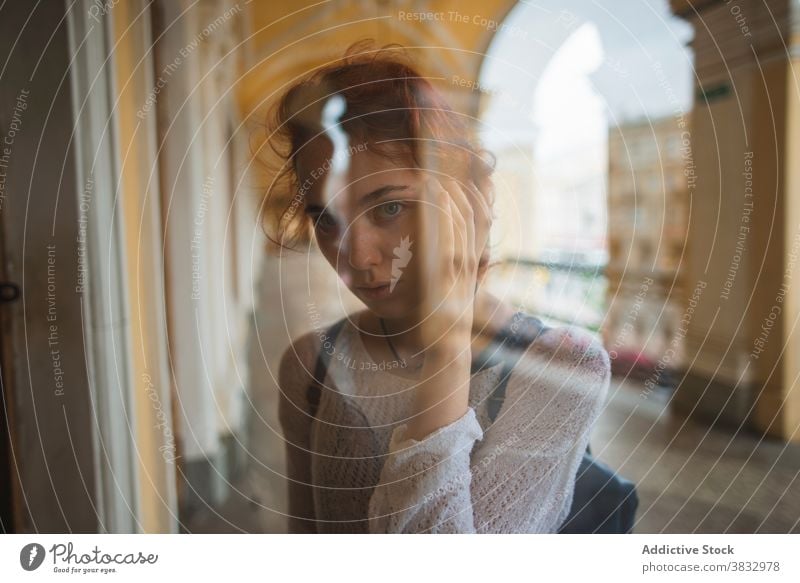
pixel 288 39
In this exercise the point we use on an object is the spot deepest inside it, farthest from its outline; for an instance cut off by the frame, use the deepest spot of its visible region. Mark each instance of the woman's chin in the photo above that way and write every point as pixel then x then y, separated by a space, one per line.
pixel 387 307
pixel 398 310
pixel 375 295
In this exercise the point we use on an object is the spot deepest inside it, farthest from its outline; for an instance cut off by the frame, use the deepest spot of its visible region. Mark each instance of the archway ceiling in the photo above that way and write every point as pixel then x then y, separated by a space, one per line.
pixel 287 39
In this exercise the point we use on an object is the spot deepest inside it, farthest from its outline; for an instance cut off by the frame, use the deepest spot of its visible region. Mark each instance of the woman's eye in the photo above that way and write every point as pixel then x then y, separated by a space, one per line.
pixel 390 209
pixel 324 222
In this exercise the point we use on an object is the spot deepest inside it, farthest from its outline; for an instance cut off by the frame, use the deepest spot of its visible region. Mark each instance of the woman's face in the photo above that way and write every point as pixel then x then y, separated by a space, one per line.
pixel 364 209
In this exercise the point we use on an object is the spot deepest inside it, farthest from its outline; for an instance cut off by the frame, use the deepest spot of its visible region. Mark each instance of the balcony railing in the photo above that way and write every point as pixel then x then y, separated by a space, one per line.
pixel 561 292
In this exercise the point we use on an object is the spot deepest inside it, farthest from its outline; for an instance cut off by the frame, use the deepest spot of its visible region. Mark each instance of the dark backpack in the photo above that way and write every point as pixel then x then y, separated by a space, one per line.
pixel 603 501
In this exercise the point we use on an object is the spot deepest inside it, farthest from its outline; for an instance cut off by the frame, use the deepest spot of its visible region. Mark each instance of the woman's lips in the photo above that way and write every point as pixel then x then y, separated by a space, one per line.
pixel 375 293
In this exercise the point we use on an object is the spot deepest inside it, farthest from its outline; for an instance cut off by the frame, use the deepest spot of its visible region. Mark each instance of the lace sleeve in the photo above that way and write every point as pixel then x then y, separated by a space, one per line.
pixel 424 485
pixel 520 477
pixel 524 470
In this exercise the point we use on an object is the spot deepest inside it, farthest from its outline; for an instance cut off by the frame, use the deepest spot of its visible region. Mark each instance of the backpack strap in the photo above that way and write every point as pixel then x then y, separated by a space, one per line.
pixel 508 346
pixel 313 392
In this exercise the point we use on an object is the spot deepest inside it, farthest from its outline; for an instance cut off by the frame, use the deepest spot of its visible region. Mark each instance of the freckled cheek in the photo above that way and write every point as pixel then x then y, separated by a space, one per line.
pixel 395 232
pixel 384 237
pixel 406 226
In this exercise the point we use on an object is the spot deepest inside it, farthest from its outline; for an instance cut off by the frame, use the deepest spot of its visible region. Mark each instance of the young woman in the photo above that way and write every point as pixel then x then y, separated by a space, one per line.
pixel 389 183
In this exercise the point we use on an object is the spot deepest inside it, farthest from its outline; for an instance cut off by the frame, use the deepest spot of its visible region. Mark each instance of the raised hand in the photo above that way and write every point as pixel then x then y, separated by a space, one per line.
pixel 453 231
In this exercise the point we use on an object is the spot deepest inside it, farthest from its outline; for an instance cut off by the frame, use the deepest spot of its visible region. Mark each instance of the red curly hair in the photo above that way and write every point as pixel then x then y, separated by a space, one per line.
pixel 390 107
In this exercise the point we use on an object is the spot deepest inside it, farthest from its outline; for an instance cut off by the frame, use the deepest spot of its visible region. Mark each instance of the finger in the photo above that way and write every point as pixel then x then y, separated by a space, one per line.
pixel 483 216
pixel 466 222
pixel 436 232
pixel 444 257
pixel 465 261
pixel 480 198
pixel 448 252
pixel 462 262
pixel 481 207
pixel 442 212
pixel 458 250
pixel 433 234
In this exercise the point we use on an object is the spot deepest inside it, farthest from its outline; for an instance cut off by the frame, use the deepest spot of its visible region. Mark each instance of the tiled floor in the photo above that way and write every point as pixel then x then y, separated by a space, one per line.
pixel 692 478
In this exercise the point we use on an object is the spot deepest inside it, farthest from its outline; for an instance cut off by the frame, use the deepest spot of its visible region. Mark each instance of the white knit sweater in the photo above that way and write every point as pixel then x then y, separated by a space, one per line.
pixel 352 470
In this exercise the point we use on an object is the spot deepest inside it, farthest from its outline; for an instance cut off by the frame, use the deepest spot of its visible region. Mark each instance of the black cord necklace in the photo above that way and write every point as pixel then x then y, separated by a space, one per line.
pixel 389 342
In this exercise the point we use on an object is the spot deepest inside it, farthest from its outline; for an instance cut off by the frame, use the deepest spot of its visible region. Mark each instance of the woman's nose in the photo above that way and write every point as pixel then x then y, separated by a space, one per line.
pixel 363 247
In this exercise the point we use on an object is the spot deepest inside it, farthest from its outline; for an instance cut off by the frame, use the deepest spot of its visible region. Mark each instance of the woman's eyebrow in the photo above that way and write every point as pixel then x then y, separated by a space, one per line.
pixel 366 199
pixel 379 192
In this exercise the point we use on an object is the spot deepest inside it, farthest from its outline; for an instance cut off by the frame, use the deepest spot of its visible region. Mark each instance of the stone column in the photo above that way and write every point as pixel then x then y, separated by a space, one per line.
pixel 741 273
